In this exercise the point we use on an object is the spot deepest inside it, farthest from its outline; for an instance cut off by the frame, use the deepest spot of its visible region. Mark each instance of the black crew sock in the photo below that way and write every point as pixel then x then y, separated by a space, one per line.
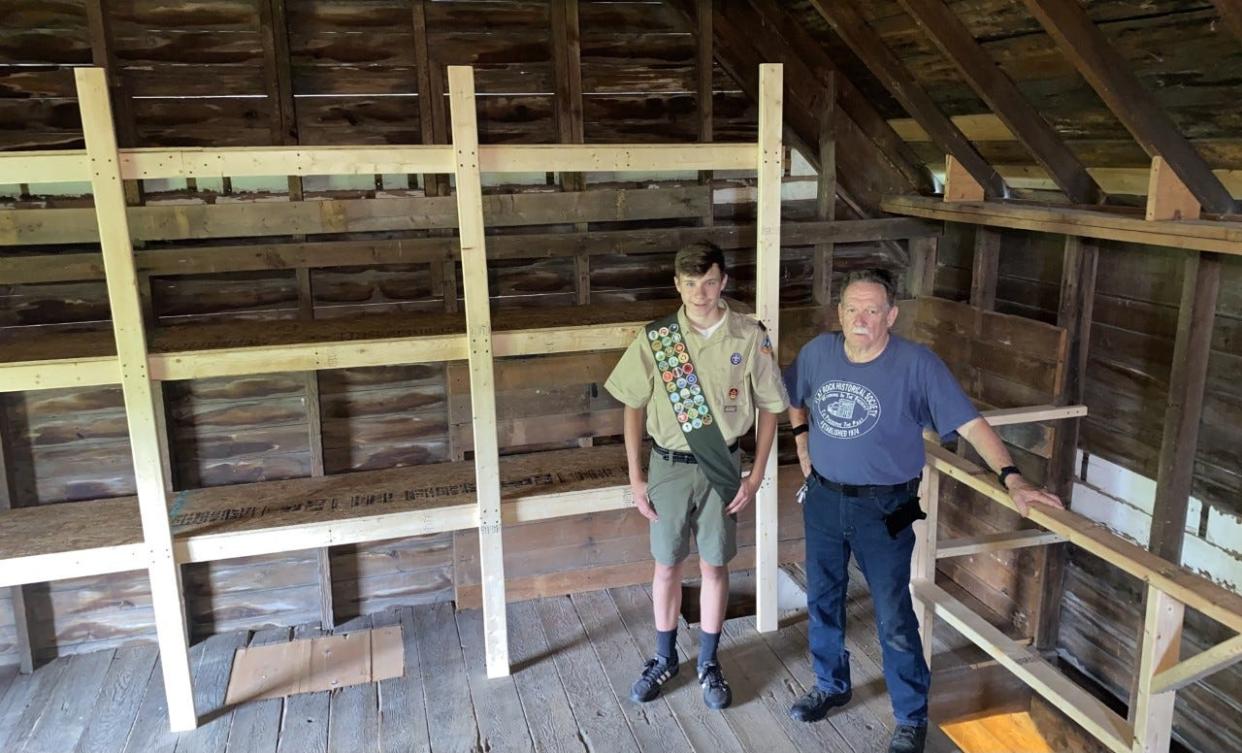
pixel 707 647
pixel 666 645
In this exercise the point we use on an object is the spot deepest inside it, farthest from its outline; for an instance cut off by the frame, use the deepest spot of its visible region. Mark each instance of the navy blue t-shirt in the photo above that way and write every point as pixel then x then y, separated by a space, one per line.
pixel 867 419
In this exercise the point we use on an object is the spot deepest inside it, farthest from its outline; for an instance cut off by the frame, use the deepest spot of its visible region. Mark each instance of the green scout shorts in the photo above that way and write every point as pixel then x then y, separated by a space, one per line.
pixel 686 503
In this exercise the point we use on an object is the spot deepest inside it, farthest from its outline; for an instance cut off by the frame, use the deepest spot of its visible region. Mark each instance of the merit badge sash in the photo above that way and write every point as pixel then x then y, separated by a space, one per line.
pixel 689 405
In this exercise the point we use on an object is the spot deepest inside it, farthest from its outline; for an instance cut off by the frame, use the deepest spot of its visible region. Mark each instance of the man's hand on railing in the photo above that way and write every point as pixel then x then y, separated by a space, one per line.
pixel 1024 494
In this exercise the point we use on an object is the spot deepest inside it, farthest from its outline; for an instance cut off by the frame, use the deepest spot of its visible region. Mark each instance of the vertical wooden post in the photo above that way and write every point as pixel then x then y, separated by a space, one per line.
pixel 923 564
pixel 1162 639
pixel 770 163
pixel 17 594
pixel 826 193
pixel 705 104
pixel 985 268
pixel 923 262
pixel 1074 314
pixel 131 345
pixel 99 27
pixel 314 437
pixel 482 384
pixel 1184 410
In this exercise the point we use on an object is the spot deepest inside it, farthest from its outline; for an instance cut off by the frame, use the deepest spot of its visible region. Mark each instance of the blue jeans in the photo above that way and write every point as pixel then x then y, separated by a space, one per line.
pixel 837 525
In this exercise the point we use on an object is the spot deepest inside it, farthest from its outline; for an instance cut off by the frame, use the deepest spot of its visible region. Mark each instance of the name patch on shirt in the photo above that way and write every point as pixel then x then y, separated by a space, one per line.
pixel 845 410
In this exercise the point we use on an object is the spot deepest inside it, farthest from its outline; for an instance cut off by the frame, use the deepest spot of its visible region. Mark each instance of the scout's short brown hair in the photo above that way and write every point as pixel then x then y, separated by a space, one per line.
pixel 877 275
pixel 696 259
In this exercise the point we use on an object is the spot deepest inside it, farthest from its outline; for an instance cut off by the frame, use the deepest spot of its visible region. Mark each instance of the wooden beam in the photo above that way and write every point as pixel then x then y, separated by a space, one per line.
pixel 193 260
pixel 875 54
pixel 183 222
pixel 1159 646
pixel 99 27
pixel 996 542
pixel 924 253
pixel 927 549
pixel 770 158
pixel 1192 347
pixel 482 392
pixel 430 89
pixel 1033 669
pixel 1033 414
pixel 825 194
pixel 17 594
pixel 277 75
pixel 855 105
pixel 996 89
pixel 959 185
pixel 1221 237
pixel 1112 77
pixel 704 80
pixel 1168 198
pixel 1075 315
pixel 1193 590
pixel 314 443
pixel 566 58
pixel 1199 666
pixel 985 267
pixel 136 386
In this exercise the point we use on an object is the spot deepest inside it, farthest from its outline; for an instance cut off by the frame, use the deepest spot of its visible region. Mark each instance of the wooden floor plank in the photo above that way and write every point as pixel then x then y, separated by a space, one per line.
pixel 8 673
pixel 601 722
pixel 211 680
pixel 116 707
pixel 304 728
pixel 15 699
pixel 26 716
pixel 866 721
pixel 548 717
pixel 353 725
pixel 745 652
pixel 497 707
pixel 69 706
pixel 150 732
pixel 706 729
pixel 654 726
pixel 450 720
pixel 256 724
pixel 403 711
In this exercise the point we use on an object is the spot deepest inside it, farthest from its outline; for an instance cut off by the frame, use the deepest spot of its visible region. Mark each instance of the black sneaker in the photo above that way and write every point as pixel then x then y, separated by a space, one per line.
pixel 816 704
pixel 716 692
pixel 908 739
pixel 656 672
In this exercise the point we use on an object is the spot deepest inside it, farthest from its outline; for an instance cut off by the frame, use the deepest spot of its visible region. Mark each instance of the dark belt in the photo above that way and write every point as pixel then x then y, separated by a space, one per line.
pixel 674 456
pixel 863 490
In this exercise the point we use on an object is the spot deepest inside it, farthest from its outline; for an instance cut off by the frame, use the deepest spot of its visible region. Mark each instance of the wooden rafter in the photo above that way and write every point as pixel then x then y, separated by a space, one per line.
pixel 853 103
pixel 1110 75
pixel 870 48
pixel 995 88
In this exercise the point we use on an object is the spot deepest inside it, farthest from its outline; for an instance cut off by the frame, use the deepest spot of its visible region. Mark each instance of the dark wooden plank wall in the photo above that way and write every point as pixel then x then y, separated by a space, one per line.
pixel 1131 349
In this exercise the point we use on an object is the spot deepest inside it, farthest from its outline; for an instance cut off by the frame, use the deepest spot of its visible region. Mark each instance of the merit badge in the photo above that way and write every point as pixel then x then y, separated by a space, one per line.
pixel 698 423
pixel 681 382
pixel 676 337
pixel 671 388
pixel 707 420
pixel 663 331
pixel 735 359
pixel 688 368
pixel 683 417
pixel 685 392
pixel 666 341
pixel 695 389
pixel 655 343
pixel 667 376
pixel 687 427
pixel 692 379
pixel 733 393
pixel 684 358
pixel 702 410
pixel 652 334
pixel 679 347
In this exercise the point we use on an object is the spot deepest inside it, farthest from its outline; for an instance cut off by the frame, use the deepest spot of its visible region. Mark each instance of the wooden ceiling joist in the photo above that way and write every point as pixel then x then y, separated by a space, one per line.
pixel 1000 93
pixel 1109 74
pixel 871 49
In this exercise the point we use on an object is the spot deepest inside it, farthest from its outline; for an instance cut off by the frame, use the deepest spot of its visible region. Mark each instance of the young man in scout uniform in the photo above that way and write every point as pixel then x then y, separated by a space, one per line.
pixel 700 373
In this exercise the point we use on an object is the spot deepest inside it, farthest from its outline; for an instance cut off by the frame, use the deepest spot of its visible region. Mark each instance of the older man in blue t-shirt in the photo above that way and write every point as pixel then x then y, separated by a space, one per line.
pixel 860 400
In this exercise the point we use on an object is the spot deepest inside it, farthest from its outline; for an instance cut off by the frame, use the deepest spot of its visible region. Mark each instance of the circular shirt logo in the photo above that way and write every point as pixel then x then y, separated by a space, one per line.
pixel 845 410
pixel 736 359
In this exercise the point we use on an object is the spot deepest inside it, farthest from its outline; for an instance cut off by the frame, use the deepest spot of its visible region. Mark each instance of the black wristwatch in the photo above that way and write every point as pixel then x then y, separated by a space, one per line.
pixel 1005 473
pixel 796 430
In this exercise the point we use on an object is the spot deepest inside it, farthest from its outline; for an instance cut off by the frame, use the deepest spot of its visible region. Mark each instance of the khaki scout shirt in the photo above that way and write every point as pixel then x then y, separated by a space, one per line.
pixel 736 369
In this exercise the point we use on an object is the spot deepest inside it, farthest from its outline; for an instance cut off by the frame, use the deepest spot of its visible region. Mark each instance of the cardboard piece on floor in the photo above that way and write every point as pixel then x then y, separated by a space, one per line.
pixel 316 664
